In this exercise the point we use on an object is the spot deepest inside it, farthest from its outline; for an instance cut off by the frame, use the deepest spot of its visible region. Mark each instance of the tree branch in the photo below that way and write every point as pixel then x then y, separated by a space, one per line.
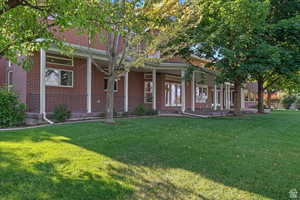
pixel 100 68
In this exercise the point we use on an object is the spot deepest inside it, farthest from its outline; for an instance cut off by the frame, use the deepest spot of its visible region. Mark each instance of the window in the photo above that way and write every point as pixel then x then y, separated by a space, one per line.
pixel 59 59
pixel 106 82
pixel 201 93
pixel 172 94
pixel 59 77
pixel 9 78
pixel 148 92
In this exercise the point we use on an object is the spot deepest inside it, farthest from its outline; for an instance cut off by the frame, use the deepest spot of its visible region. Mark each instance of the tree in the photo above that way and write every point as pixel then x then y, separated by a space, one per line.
pixel 225 35
pixel 275 58
pixel 28 25
pixel 250 39
pixel 289 85
pixel 135 33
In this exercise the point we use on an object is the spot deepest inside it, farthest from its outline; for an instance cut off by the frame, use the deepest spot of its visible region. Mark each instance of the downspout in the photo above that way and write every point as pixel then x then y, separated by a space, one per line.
pixel 46 119
pixel 42 86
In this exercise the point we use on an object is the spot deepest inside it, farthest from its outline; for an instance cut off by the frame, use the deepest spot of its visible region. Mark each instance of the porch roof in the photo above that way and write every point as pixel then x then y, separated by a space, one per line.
pixel 176 66
pixel 84 51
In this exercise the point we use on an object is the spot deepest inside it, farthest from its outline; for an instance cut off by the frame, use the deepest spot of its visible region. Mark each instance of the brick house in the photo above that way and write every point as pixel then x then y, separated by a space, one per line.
pixel 56 79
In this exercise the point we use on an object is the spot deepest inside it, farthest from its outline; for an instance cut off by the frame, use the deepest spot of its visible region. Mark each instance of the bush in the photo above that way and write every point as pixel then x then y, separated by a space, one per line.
pixel 143 110
pixel 12 111
pixel 61 113
pixel 140 110
pixel 150 111
pixel 287 101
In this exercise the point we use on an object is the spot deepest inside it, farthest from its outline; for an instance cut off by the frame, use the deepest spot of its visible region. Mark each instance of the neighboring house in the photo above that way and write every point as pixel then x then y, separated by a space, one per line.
pixel 56 79
pixel 250 95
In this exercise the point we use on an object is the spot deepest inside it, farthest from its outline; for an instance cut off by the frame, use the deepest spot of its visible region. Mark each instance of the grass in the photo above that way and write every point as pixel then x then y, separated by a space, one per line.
pixel 252 157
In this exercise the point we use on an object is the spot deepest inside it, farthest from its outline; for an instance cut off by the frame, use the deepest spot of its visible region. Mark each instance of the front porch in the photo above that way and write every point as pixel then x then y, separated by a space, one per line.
pixel 162 87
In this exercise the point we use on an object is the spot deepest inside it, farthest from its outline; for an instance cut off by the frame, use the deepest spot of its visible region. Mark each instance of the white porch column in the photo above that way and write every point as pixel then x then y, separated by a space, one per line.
pixel 126 92
pixel 42 81
pixel 229 96
pixel 182 91
pixel 221 97
pixel 242 98
pixel 215 97
pixel 154 89
pixel 89 85
pixel 193 92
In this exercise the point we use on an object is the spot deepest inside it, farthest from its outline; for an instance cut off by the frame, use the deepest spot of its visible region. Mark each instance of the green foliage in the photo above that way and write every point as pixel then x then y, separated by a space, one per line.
pixel 25 26
pixel 61 113
pixel 12 111
pixel 140 110
pixel 287 101
pixel 150 111
pixel 144 110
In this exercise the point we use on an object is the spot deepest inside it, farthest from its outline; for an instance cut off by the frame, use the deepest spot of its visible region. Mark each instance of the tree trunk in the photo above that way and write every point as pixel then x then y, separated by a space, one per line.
pixel 269 98
pixel 109 114
pixel 237 105
pixel 260 94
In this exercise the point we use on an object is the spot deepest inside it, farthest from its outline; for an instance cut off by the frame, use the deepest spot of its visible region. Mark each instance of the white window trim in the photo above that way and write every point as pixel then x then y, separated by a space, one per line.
pixel 63 86
pixel 201 86
pixel 117 85
pixel 145 92
pixel 62 58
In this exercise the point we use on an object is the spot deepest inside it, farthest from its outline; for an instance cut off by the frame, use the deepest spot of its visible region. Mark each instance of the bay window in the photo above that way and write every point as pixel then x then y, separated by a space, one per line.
pixel 172 94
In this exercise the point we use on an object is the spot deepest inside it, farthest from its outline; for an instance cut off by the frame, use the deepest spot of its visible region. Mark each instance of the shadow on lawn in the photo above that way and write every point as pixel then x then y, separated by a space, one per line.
pixel 41 180
pixel 239 160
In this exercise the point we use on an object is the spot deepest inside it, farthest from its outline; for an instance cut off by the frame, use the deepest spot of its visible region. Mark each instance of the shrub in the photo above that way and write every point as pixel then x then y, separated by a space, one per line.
pixel 12 111
pixel 150 111
pixel 140 110
pixel 287 101
pixel 143 110
pixel 61 113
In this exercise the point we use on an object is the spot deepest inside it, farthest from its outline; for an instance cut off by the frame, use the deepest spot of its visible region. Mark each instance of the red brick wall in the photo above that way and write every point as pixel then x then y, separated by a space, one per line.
pixel 3 65
pixel 75 37
pixel 135 90
pixel 19 80
pixel 74 97
pixel 33 85
pixel 99 95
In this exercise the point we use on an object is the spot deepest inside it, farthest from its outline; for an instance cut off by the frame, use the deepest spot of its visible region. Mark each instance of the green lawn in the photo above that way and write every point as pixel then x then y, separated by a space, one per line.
pixel 253 157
